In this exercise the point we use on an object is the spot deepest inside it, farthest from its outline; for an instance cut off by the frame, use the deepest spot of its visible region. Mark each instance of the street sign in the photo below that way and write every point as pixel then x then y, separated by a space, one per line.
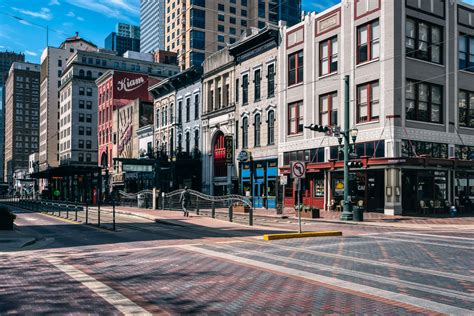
pixel 229 149
pixel 298 169
pixel 283 179
pixel 244 156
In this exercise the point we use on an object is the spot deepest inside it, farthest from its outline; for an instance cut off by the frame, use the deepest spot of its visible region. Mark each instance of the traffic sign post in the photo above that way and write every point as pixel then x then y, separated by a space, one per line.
pixel 298 172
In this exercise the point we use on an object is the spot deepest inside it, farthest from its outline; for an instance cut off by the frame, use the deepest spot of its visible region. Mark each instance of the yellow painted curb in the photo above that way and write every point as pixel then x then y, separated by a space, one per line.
pixel 301 235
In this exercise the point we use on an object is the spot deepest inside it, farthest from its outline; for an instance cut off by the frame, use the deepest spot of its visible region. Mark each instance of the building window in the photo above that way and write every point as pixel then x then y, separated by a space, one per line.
pixel 180 143
pixel 257 125
pixel 81 117
pixel 89 92
pixel 188 110
pixel 295 118
pixel 245 89
pixel 328 104
pixel 81 90
pixel 245 132
pixel 171 114
pixel 157 120
pixel 81 104
pixel 466 108
pixel 328 56
pixel 257 80
pixel 88 131
pixel 81 143
pixel 81 130
pixel 271 80
pixel 188 143
pixel 271 128
pixel 198 40
pixel 423 40
pixel 196 138
pixel 295 68
pixel 89 105
pixel 368 107
pixel 196 106
pixel 88 144
pixel 466 52
pixel 368 45
pixel 424 102
pixel 89 118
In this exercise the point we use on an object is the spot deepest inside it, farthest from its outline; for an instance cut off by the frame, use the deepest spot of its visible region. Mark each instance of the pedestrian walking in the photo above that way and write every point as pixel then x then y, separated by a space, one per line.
pixel 185 200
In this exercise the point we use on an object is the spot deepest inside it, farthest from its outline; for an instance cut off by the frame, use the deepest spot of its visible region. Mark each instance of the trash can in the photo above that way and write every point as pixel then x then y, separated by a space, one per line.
pixel 141 199
pixel 358 214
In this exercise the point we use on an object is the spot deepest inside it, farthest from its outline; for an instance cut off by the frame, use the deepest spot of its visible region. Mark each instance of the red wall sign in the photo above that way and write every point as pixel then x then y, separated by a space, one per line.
pixel 130 86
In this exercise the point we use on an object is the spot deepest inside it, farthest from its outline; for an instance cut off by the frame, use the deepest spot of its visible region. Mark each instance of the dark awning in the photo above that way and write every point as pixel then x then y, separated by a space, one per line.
pixel 64 171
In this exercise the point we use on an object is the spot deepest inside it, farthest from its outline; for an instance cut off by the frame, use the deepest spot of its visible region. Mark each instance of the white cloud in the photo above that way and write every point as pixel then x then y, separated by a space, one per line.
pixel 80 18
pixel 67 24
pixel 71 14
pixel 54 2
pixel 24 22
pixel 2 47
pixel 29 52
pixel 123 9
pixel 44 13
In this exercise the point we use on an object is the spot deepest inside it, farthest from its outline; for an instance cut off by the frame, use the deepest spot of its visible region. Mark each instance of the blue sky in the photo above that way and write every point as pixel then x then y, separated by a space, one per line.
pixel 93 19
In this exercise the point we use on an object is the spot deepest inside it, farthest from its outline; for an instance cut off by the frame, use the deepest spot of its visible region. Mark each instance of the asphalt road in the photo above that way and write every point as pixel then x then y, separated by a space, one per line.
pixel 148 267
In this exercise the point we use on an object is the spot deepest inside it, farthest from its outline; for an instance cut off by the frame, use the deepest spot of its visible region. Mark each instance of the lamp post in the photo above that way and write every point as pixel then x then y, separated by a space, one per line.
pixel 347 213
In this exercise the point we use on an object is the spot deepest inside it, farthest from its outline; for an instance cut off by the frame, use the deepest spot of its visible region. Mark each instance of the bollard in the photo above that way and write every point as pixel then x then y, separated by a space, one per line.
pixel 87 213
pixel 67 211
pixel 98 214
pixel 76 206
pixel 251 216
pixel 213 212
pixel 197 205
pixel 231 214
pixel 113 214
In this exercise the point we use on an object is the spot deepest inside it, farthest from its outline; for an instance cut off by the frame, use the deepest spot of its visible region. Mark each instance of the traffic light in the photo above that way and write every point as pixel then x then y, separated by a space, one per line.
pixel 355 164
pixel 318 128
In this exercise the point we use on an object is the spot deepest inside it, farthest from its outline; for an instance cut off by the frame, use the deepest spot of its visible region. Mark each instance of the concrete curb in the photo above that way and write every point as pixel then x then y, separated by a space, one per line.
pixel 301 235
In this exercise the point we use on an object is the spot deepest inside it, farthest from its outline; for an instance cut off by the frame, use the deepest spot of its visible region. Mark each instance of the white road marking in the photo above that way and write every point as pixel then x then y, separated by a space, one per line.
pixel 117 300
pixel 423 242
pixel 397 297
pixel 434 236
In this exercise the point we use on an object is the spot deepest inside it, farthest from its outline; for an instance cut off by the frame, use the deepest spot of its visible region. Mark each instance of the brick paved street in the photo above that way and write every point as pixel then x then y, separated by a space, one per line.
pixel 203 265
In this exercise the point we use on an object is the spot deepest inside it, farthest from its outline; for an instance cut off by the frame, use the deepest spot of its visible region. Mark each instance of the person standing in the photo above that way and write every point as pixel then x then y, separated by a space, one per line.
pixel 185 200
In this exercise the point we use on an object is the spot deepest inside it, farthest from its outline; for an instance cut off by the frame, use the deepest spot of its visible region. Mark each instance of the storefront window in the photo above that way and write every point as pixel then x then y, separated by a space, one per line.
pixel 465 152
pixel 416 148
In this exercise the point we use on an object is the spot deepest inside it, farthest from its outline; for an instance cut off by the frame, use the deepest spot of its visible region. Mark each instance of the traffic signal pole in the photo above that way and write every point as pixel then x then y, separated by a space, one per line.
pixel 347 214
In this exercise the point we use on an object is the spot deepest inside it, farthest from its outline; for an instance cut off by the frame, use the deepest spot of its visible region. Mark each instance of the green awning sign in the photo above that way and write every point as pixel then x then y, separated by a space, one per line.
pixel 56 193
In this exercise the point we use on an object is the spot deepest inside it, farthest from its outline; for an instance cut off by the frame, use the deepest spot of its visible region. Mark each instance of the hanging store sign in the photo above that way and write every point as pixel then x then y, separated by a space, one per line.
pixel 229 149
pixel 244 156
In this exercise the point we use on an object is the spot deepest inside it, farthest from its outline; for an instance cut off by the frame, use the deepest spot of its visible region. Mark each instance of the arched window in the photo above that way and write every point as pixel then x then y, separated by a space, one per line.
pixel 188 109
pixel 196 138
pixel 171 114
pixel 188 143
pixel 180 143
pixel 271 128
pixel 220 168
pixel 180 112
pixel 157 118
pixel 245 132
pixel 257 123
pixel 89 74
pixel 81 73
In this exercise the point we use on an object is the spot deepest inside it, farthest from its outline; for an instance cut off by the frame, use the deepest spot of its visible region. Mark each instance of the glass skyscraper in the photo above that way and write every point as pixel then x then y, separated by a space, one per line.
pixel 152 25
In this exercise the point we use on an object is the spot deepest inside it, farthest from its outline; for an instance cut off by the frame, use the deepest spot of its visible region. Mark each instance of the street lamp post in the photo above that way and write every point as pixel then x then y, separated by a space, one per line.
pixel 347 134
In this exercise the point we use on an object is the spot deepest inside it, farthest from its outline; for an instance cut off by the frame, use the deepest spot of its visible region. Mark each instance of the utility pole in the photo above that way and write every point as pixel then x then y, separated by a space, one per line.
pixel 347 214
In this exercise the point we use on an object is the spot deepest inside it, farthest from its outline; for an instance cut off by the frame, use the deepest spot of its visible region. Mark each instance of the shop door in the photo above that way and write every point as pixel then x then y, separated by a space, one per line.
pixel 375 191
pixel 409 192
pixel 257 193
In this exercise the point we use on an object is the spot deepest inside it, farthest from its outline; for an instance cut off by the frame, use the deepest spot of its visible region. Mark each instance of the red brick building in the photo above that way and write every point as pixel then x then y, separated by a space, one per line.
pixel 117 89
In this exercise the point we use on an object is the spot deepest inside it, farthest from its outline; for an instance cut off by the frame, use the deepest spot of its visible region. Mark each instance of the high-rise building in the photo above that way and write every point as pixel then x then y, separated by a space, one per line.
pixel 128 30
pixel 196 28
pixel 53 62
pixel 6 60
pixel 121 44
pixel 152 25
pixel 21 116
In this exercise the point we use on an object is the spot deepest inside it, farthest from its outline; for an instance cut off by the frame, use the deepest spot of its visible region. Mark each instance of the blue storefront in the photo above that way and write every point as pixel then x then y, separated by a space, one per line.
pixel 258 181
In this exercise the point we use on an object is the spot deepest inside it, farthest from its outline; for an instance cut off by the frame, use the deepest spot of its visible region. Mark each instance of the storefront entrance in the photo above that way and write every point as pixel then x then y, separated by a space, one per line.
pixel 429 186
pixel 258 182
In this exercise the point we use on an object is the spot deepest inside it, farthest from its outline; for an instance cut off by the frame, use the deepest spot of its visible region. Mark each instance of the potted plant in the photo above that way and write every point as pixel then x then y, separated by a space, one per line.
pixel 6 218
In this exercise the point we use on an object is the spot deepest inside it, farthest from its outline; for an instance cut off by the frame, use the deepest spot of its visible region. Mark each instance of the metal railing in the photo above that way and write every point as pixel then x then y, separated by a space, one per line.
pixel 78 212
pixel 203 203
